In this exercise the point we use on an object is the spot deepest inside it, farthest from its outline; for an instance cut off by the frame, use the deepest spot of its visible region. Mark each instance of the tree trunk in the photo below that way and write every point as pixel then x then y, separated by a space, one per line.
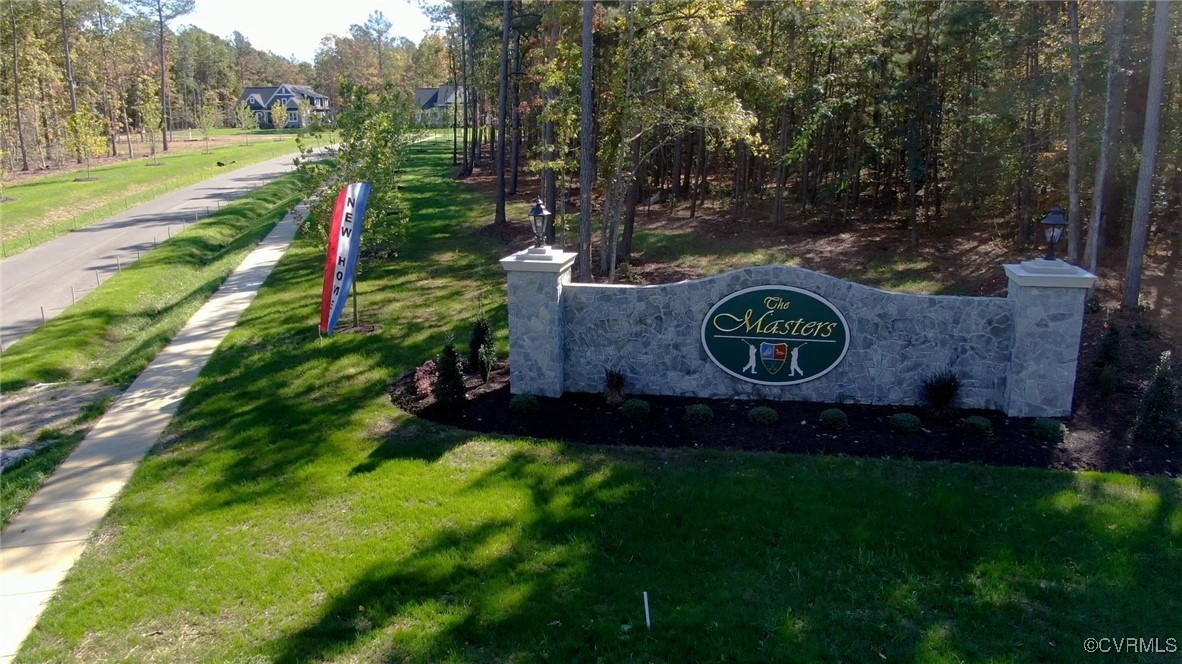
pixel 164 124
pixel 466 168
pixel 1139 233
pixel 676 173
pixel 502 115
pixel 515 152
pixel 549 185
pixel 16 91
pixel 69 64
pixel 1074 241
pixel 586 176
pixel 781 170
pixel 1111 121
pixel 633 199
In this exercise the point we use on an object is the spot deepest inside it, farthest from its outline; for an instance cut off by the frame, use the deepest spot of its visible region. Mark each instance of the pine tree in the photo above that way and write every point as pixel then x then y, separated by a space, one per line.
pixel 449 388
pixel 1158 420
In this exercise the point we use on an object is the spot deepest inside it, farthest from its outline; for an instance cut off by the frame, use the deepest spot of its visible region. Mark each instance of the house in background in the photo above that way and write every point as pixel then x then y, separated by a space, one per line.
pixel 435 104
pixel 261 99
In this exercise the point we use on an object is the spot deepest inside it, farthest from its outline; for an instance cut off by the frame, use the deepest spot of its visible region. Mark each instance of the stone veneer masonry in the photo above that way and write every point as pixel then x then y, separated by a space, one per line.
pixel 1017 354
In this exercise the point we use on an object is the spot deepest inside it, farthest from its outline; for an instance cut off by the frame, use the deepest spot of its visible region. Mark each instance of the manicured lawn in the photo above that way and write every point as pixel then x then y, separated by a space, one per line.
pixel 293 514
pixel 47 207
pixel 115 331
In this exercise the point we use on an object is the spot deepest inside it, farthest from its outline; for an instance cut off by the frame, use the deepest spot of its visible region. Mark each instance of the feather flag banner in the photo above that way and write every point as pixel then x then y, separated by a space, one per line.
pixel 344 244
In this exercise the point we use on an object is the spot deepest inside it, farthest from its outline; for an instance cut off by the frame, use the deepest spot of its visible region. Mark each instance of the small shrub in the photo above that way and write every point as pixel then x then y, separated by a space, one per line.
pixel 904 423
pixel 1093 305
pixel 1142 331
pixel 487 357
pixel 613 387
pixel 977 426
pixel 481 336
pixel 425 376
pixel 636 410
pixel 834 418
pixel 1108 351
pixel 699 414
pixel 450 391
pixel 1108 382
pixel 1157 420
pixel 1051 431
pixel 940 390
pixel 763 415
pixel 523 404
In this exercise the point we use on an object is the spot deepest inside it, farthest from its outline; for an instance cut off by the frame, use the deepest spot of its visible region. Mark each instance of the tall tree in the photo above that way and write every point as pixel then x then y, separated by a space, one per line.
pixel 1111 126
pixel 586 174
pixel 1074 241
pixel 1139 234
pixel 502 113
pixel 61 4
pixel 377 26
pixel 163 11
pixel 16 88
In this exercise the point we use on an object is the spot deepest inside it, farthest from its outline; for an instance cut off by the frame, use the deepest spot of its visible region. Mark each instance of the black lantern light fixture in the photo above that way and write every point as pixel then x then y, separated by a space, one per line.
pixel 1053 225
pixel 537 219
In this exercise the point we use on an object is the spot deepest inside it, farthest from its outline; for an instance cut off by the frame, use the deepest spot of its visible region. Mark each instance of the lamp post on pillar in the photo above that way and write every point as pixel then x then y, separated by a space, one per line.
pixel 536 276
pixel 1048 296
pixel 1053 225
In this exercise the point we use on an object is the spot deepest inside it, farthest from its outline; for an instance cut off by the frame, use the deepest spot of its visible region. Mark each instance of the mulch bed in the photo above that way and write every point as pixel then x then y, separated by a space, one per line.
pixel 586 418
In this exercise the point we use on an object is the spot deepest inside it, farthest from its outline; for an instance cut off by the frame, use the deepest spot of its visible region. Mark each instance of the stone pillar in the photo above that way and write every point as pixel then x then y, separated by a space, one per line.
pixel 1048 297
pixel 536 277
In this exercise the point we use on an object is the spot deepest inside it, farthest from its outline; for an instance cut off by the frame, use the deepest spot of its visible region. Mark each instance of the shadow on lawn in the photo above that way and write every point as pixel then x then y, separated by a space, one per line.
pixel 543 553
pixel 762 559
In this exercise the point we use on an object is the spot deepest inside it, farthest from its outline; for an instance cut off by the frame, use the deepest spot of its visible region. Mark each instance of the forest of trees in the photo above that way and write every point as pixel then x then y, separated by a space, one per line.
pixel 101 61
pixel 949 112
pixel 932 114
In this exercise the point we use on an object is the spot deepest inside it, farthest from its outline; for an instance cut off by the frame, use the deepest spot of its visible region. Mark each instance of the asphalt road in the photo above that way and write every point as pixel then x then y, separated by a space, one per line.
pixel 38 284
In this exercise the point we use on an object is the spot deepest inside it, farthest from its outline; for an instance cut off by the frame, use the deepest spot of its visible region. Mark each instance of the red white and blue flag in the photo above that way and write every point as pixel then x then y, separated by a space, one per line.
pixel 344 243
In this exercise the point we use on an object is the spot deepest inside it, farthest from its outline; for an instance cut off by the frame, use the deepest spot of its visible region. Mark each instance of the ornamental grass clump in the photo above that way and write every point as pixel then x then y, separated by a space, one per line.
pixel 613 387
pixel 940 390
pixel 763 416
pixel 904 423
pixel 635 410
pixel 1157 421
pixel 699 414
pixel 835 419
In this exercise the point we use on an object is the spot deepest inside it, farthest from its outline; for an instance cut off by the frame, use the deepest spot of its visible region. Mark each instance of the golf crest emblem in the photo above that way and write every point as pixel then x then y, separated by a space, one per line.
pixel 775 335
pixel 773 356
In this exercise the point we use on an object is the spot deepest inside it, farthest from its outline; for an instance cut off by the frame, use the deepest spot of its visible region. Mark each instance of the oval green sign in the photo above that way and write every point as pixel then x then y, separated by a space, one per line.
pixel 775 335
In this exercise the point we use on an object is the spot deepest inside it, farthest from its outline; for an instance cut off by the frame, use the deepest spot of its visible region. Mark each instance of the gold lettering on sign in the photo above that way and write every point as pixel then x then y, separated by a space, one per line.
pixel 766 324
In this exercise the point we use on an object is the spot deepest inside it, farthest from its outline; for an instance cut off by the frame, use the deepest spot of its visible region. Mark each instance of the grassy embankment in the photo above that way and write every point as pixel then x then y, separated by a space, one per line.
pixel 46 207
pixel 293 514
pixel 113 333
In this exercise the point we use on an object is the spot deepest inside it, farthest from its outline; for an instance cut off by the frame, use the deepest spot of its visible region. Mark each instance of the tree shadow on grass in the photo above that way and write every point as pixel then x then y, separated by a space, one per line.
pixel 757 558
pixel 542 551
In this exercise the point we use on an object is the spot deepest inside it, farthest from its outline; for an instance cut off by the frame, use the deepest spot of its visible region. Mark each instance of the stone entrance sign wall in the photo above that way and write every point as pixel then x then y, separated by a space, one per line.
pixel 1017 354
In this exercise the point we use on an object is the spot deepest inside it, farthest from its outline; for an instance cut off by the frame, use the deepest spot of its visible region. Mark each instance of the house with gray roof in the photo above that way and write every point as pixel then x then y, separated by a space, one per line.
pixel 260 99
pixel 435 104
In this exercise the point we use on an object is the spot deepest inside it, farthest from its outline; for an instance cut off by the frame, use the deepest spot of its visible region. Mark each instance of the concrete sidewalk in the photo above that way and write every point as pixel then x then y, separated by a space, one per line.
pixel 41 544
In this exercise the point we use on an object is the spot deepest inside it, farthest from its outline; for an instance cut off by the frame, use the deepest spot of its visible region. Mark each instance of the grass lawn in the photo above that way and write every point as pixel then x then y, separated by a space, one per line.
pixel 115 331
pixel 293 514
pixel 47 207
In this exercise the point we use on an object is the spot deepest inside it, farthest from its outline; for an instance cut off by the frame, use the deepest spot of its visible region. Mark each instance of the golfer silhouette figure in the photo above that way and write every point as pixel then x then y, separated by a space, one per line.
pixel 795 368
pixel 750 368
